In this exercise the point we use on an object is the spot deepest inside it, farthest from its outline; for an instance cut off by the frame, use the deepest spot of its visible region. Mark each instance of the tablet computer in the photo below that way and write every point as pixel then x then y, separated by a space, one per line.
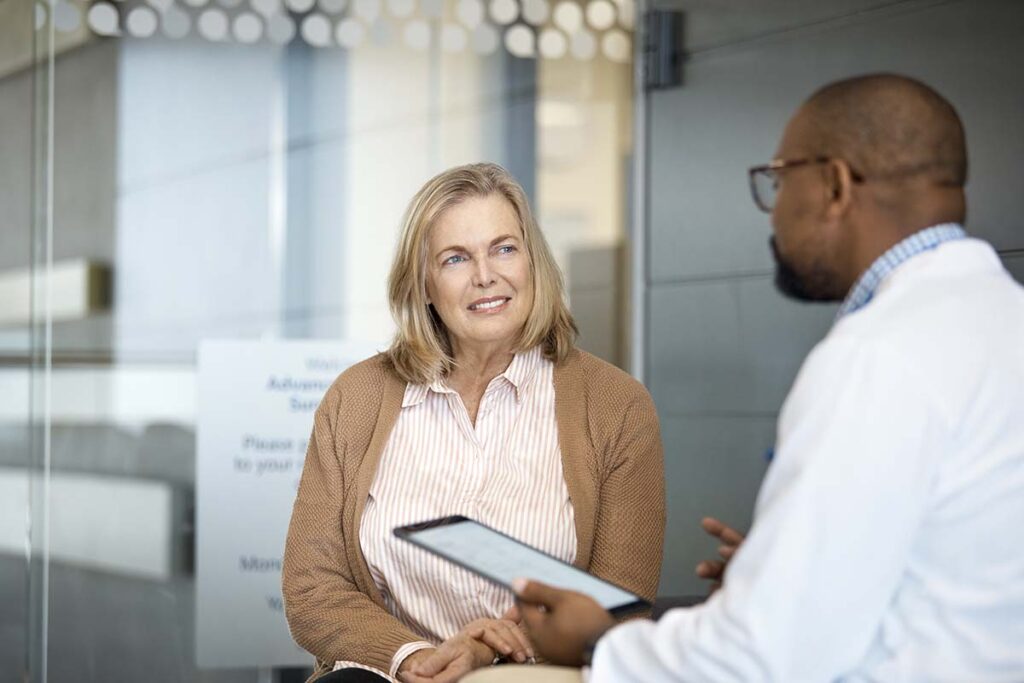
pixel 501 559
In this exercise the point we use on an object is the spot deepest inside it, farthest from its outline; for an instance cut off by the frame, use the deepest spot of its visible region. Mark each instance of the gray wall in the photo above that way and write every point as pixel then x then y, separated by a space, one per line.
pixel 722 346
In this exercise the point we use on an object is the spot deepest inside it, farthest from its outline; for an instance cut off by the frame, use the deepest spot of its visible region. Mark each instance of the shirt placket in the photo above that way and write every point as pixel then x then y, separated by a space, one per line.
pixel 488 435
pixel 469 463
pixel 477 439
pixel 486 441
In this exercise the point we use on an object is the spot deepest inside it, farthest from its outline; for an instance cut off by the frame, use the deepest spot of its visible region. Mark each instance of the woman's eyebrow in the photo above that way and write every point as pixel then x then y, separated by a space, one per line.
pixel 503 238
pixel 459 247
pixel 453 247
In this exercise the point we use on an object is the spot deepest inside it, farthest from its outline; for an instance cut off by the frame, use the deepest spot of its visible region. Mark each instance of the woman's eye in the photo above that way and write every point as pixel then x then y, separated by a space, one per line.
pixel 507 249
pixel 452 260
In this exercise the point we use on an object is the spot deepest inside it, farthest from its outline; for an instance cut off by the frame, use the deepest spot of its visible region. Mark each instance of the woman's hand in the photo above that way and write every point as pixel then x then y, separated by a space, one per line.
pixel 414 660
pixel 471 648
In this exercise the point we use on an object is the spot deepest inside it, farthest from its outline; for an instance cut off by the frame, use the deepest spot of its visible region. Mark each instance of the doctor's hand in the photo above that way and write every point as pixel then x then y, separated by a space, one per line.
pixel 513 615
pixel 561 623
pixel 714 570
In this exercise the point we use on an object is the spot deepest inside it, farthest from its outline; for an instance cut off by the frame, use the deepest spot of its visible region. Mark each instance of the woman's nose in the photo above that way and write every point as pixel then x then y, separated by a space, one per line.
pixel 483 276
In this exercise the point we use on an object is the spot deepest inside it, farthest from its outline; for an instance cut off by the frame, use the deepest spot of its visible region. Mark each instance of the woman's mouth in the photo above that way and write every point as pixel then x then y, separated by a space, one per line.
pixel 489 304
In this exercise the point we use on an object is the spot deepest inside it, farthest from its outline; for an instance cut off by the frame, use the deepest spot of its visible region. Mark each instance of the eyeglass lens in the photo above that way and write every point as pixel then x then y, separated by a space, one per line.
pixel 766 186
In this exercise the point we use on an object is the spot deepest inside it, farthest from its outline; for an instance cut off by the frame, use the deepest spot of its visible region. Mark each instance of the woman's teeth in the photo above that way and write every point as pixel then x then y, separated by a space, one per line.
pixel 488 304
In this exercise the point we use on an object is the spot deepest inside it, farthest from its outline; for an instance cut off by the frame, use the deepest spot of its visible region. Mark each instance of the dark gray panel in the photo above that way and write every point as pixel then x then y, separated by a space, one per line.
pixel 595 266
pixel 728 346
pixel 160 452
pixel 105 627
pixel 14 617
pixel 713 467
pixel 92 334
pixel 16 169
pixel 703 137
pixel 596 312
pixel 85 108
pixel 1015 264
pixel 734 103
pixel 594 280
pixel 709 24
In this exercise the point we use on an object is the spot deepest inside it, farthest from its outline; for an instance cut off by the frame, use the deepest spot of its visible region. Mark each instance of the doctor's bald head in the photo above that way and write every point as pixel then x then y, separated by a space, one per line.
pixel 862 163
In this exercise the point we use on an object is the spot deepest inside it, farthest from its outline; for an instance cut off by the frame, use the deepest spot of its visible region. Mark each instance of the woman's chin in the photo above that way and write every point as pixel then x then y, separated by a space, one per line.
pixel 488 335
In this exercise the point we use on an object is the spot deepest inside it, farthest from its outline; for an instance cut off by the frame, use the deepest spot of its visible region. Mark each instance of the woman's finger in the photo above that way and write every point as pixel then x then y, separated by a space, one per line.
pixel 455 669
pixel 727 551
pixel 512 635
pixel 436 662
pixel 496 640
pixel 521 638
pixel 512 614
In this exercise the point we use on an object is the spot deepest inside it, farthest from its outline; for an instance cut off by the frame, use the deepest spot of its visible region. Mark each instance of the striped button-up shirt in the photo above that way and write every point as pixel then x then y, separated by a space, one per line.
pixel 505 471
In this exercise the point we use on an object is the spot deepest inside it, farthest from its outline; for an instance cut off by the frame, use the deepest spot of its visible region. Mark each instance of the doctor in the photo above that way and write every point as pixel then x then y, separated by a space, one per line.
pixel 886 543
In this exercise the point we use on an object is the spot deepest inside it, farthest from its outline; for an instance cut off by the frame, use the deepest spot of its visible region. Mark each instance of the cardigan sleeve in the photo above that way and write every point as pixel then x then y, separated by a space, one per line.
pixel 327 613
pixel 630 520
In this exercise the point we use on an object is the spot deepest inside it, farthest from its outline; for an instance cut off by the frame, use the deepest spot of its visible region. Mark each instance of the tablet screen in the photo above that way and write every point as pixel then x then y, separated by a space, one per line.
pixel 502 559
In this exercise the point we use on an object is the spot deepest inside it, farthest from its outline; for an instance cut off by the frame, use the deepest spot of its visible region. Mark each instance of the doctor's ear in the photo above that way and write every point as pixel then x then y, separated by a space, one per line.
pixel 839 181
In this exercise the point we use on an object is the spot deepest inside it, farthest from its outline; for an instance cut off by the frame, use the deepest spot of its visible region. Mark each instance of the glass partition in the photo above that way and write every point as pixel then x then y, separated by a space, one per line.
pixel 180 171
pixel 27 43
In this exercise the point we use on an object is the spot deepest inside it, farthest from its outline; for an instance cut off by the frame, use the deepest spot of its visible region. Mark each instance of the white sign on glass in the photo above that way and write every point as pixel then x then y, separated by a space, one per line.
pixel 256 405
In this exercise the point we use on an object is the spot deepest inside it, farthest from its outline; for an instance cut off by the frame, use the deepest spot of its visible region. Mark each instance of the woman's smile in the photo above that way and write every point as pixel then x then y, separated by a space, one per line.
pixel 490 305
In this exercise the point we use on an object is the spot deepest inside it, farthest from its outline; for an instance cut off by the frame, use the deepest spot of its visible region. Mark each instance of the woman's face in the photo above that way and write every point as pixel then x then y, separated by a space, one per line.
pixel 478 272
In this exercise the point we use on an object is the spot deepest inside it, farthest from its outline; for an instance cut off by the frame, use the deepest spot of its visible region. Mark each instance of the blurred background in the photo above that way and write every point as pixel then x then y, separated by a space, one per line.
pixel 176 171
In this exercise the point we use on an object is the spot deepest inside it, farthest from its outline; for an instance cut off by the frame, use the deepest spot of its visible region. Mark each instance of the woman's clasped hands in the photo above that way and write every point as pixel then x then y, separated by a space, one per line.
pixel 475 646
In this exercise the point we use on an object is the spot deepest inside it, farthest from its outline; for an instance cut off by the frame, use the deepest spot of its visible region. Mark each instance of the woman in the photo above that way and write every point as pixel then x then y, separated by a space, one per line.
pixel 482 407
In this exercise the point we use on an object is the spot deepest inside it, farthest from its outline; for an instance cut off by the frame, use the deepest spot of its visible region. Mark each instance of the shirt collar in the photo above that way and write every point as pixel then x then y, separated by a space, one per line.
pixel 519 373
pixel 868 283
pixel 522 369
pixel 414 394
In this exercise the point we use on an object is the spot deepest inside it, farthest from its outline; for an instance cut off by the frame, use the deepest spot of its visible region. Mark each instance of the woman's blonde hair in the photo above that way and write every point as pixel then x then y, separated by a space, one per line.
pixel 422 351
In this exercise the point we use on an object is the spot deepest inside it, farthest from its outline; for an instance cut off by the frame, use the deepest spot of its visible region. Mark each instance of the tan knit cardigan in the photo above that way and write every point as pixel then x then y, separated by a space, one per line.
pixel 612 463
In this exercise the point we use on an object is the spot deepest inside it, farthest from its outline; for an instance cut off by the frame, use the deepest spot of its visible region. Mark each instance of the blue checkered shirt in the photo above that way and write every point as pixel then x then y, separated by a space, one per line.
pixel 925 240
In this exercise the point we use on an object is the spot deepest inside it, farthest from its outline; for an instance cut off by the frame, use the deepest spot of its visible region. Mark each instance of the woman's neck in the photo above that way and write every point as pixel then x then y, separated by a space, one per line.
pixel 474 369
pixel 477 366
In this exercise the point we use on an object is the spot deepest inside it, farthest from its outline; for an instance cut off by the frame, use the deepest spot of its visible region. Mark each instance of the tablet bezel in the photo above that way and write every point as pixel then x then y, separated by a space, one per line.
pixel 407 533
